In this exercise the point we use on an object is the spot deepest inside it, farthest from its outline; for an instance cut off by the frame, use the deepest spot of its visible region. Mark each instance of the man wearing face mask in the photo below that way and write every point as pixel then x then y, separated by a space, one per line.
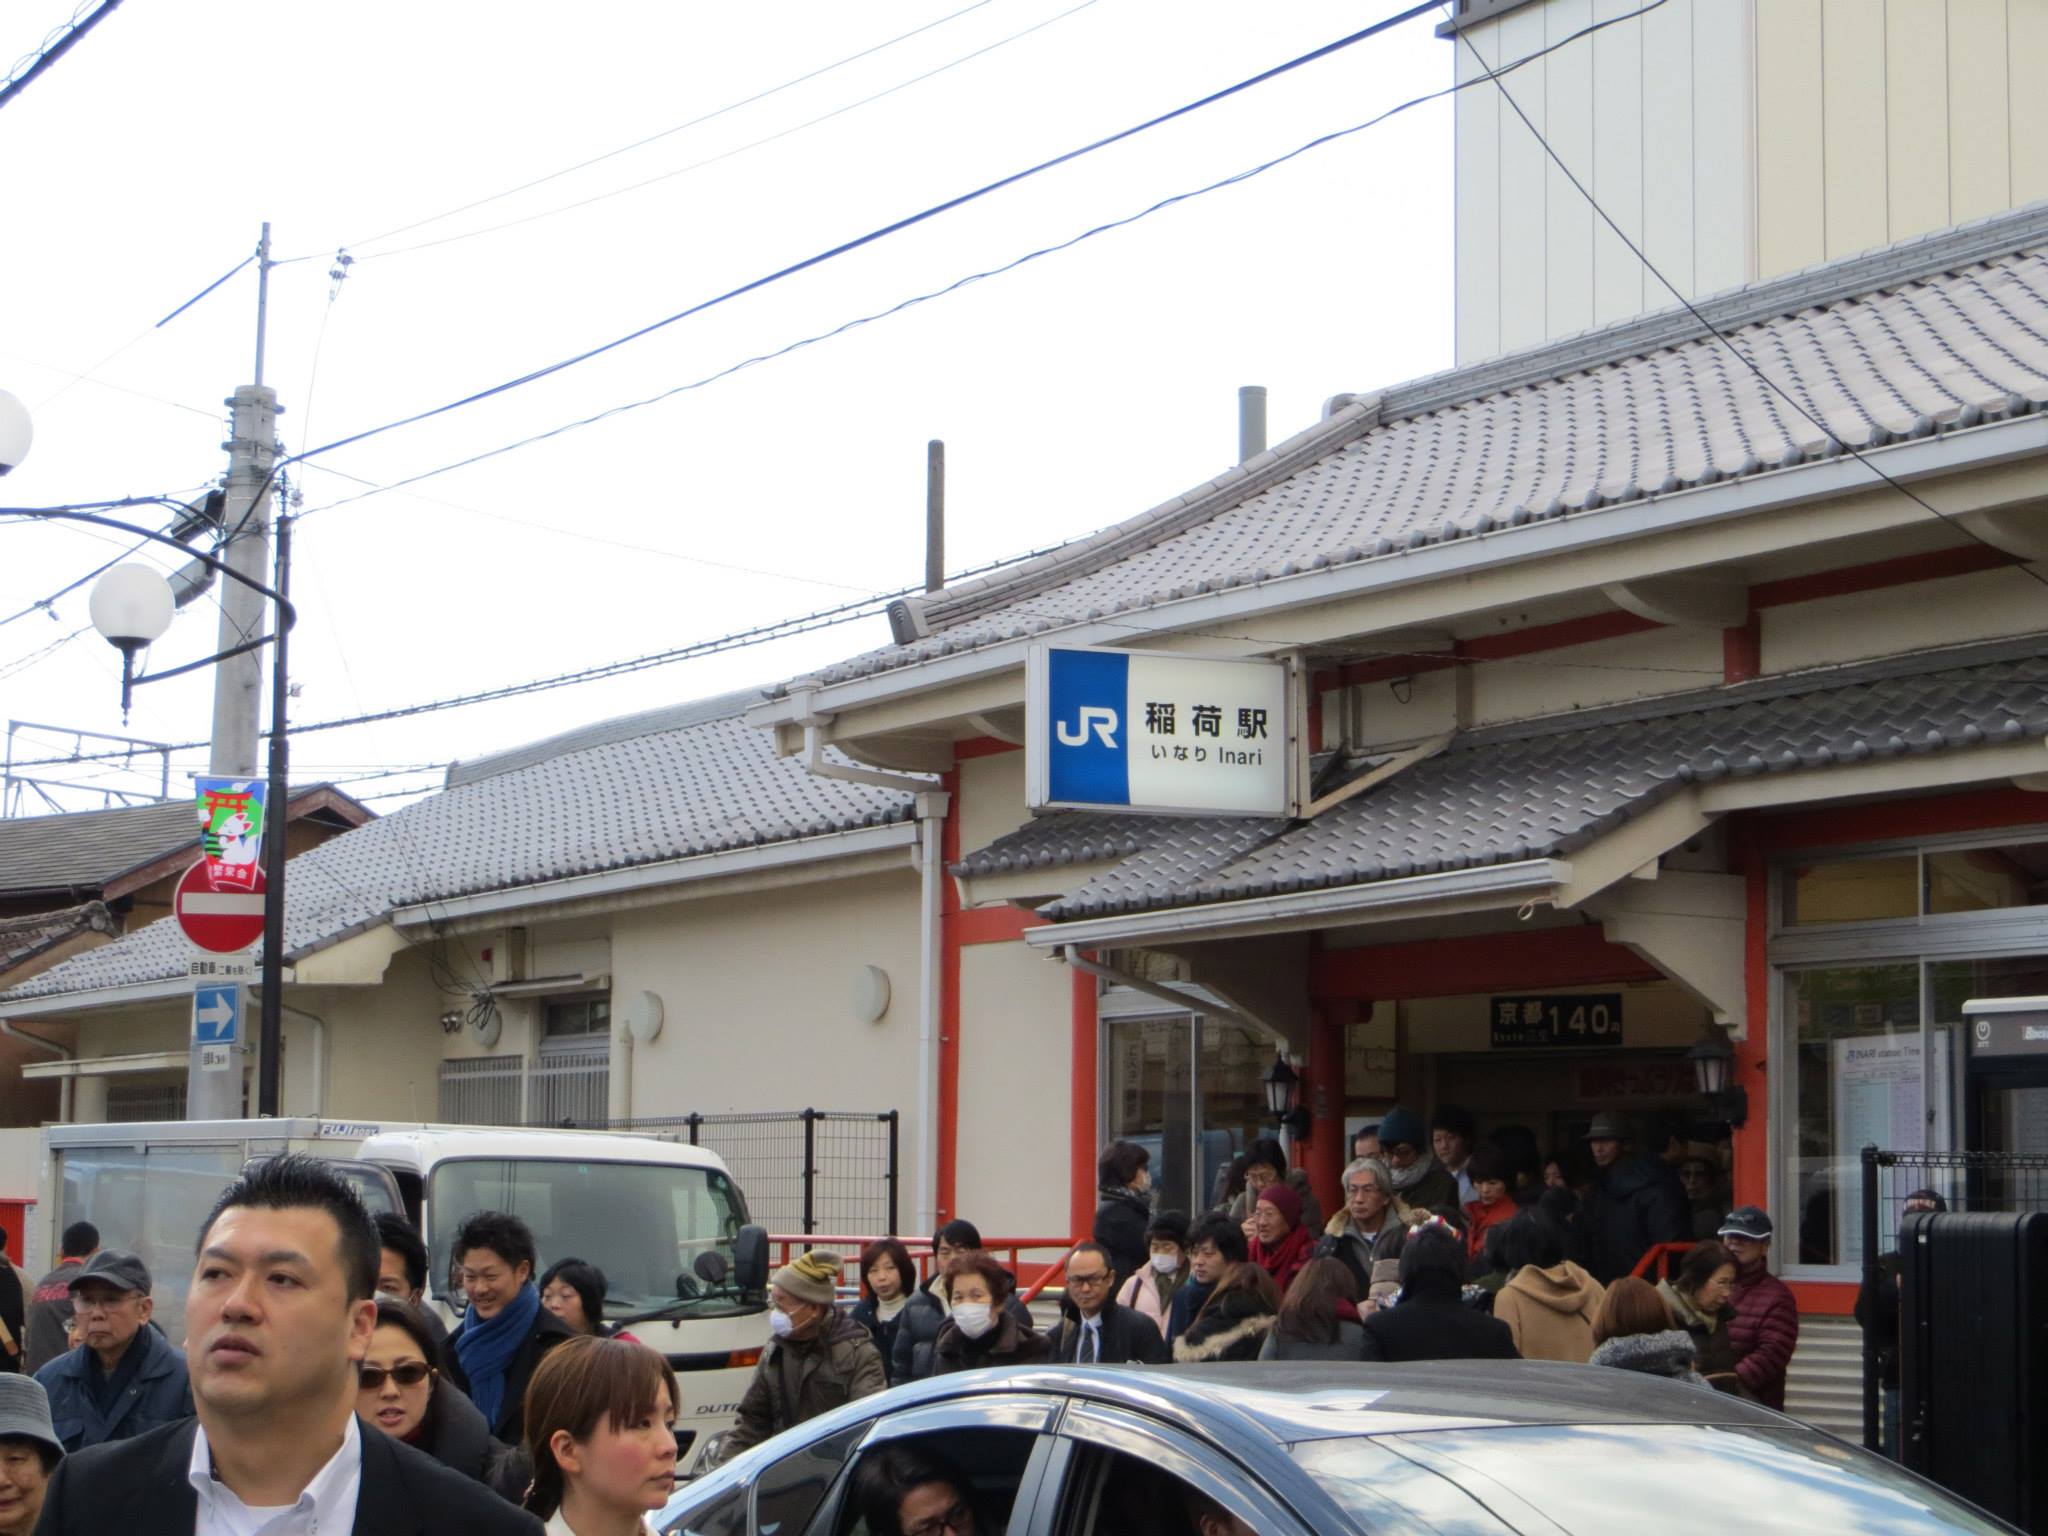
pixel 818 1359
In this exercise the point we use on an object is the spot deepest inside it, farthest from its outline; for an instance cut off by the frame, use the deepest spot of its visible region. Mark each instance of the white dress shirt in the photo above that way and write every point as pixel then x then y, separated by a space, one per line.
pixel 326 1508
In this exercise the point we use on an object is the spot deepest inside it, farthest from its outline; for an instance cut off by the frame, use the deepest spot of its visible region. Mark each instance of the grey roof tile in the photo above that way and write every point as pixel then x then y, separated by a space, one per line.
pixel 642 793
pixel 1947 331
pixel 1543 788
pixel 83 851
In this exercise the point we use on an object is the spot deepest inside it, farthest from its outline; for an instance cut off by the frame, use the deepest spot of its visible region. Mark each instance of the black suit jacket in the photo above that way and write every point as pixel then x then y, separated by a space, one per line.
pixel 138 1487
pixel 1437 1330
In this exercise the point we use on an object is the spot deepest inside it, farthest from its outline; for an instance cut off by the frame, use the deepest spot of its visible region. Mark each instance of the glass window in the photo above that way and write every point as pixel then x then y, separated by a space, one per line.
pixel 1617 1480
pixel 576 1016
pixel 1986 879
pixel 150 1201
pixel 720 1514
pixel 789 1492
pixel 1857 1080
pixel 643 1224
pixel 1851 891
pixel 1231 1076
pixel 1149 1102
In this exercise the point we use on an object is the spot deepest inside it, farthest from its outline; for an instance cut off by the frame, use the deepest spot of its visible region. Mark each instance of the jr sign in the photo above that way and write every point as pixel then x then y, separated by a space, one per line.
pixel 1142 731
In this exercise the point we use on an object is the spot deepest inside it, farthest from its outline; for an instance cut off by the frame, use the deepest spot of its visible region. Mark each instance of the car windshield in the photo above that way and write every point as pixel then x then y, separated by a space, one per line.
pixel 1623 1479
pixel 648 1226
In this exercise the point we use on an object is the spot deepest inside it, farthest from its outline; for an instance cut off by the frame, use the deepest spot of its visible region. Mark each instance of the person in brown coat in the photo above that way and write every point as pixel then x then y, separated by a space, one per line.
pixel 819 1358
pixel 983 1329
pixel 1548 1302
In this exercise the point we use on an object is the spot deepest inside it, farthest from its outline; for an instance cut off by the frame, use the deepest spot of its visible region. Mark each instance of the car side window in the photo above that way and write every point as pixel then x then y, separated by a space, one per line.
pixel 788 1492
pixel 1109 1493
pixel 953 1482
pixel 722 1514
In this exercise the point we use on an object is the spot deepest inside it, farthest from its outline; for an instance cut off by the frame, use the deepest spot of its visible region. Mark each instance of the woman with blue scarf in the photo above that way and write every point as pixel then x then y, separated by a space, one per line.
pixel 506 1330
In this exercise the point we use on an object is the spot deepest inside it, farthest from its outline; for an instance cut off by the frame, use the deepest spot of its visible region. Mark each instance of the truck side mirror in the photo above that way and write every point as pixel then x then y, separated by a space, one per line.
pixel 750 1259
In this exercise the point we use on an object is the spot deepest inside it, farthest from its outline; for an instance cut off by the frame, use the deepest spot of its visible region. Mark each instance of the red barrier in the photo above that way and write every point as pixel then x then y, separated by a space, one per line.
pixel 1032 1275
pixel 1659 1261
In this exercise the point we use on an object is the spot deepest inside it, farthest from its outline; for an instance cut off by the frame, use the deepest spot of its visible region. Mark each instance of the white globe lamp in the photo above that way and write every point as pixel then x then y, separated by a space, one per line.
pixel 16 432
pixel 131 606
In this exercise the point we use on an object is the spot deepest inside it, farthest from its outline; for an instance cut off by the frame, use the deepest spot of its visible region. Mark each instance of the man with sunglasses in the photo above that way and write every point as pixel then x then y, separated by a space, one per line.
pixel 277 1323
pixel 1093 1329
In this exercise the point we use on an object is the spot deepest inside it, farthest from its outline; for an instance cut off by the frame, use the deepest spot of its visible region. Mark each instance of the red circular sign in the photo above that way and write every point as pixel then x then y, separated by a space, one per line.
pixel 222 921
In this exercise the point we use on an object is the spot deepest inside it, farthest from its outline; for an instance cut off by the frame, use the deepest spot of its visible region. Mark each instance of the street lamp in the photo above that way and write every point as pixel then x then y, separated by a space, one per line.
pixel 1713 1068
pixel 131 606
pixel 16 432
pixel 1281 1082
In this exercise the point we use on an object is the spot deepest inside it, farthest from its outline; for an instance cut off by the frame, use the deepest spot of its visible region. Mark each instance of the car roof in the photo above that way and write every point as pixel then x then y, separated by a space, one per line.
pixel 1293 1401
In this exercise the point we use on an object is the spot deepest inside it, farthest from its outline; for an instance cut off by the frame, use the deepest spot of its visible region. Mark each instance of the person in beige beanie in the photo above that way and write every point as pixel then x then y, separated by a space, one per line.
pixel 818 1358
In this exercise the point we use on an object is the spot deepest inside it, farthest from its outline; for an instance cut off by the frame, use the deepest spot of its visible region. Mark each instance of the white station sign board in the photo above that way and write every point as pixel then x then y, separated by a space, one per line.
pixel 1157 732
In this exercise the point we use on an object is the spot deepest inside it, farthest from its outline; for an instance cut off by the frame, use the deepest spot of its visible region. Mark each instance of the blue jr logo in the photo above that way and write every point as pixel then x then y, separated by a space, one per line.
pixel 1093 718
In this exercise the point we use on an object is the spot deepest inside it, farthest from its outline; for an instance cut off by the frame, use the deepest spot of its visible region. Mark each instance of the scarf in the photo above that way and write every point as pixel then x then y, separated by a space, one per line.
pixel 485 1346
pixel 1414 1173
pixel 1285 1257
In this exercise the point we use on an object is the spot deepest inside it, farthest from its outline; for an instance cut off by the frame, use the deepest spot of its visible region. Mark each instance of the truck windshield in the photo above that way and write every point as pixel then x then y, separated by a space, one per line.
pixel 646 1225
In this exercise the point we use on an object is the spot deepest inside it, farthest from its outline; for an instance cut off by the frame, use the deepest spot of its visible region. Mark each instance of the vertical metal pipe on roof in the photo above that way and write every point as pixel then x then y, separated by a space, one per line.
pixel 1251 420
pixel 934 515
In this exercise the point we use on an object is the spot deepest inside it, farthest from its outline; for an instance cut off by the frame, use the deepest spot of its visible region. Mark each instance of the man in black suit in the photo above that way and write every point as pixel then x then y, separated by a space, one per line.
pixel 278 1318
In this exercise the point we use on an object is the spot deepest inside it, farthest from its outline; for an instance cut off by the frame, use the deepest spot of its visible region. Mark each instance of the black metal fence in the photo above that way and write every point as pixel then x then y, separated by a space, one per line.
pixel 803 1170
pixel 1967 1181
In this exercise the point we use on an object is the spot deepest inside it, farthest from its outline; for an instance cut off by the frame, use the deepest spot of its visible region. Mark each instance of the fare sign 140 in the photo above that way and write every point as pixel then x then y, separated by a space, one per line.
pixel 1142 731
pixel 1552 1021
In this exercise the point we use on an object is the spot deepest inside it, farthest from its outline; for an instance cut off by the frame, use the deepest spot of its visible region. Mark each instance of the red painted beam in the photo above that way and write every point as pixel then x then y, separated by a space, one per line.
pixel 993 925
pixel 1973 811
pixel 945 1180
pixel 1082 1098
pixel 1548 957
pixel 1961 561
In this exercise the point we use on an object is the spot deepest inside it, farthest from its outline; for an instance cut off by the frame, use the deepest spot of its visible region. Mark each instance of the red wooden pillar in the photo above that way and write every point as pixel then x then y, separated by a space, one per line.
pixel 1752 1180
pixel 1323 1094
pixel 1081 1105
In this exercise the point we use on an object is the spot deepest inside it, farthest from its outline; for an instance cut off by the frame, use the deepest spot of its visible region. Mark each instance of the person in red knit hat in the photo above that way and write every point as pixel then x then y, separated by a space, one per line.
pixel 1281 1244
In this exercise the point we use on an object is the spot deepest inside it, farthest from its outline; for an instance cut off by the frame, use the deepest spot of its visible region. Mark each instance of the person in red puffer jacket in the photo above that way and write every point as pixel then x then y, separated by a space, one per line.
pixel 1763 1319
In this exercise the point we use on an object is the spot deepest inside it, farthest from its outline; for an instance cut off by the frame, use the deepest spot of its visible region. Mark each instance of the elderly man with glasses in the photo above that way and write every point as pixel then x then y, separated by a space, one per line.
pixel 124 1379
pixel 1093 1329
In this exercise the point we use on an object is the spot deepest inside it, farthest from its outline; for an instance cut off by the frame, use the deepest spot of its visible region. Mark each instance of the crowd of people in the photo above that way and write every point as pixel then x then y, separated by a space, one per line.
pixel 315 1379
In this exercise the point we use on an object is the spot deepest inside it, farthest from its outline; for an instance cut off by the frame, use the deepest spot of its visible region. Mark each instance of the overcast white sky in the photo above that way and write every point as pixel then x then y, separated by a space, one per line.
pixel 1077 391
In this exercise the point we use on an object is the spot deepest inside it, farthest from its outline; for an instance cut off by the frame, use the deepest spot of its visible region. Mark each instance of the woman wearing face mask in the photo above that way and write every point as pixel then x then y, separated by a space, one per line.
pixel 818 1358
pixel 599 1433
pixel 984 1329
pixel 886 1277
pixel 1124 1175
pixel 402 1392
pixel 1152 1289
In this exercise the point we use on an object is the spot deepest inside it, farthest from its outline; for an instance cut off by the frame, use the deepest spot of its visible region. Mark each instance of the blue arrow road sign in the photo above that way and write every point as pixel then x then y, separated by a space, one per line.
pixel 216 1015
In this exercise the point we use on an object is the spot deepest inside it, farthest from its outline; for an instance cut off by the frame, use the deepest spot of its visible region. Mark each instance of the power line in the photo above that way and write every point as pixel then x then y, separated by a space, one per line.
pixel 738 150
pixel 882 232
pixel 651 138
pixel 963 282
pixel 1712 329
pixel 54 48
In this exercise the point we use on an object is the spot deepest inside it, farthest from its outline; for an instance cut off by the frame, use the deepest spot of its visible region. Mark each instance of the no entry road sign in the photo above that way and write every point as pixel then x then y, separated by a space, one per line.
pixel 221 921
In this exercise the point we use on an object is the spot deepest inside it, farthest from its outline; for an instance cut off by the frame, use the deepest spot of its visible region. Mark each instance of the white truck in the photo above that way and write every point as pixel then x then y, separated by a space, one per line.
pixel 662 1219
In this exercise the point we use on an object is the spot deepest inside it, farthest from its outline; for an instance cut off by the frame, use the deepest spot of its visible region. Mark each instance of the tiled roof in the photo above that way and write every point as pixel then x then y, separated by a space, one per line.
pixel 1542 788
pixel 23 938
pixel 1948 331
pixel 83 851
pixel 639 797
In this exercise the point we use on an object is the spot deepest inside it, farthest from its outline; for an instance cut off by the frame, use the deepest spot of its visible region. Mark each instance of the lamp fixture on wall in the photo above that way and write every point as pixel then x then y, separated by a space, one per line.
pixel 1713 1068
pixel 1282 1083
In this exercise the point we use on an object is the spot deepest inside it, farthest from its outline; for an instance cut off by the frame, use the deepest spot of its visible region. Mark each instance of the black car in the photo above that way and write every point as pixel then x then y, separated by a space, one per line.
pixel 1443 1449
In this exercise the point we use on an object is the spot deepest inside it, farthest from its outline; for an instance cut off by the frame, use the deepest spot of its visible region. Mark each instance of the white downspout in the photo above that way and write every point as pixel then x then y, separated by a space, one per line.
pixel 932 804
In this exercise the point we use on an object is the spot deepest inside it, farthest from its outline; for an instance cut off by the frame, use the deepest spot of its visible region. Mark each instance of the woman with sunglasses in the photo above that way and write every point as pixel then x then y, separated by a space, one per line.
pixel 401 1391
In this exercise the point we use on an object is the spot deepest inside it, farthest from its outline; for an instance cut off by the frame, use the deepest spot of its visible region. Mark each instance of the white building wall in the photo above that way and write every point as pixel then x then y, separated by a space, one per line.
pixel 1733 140
pixel 1015 1078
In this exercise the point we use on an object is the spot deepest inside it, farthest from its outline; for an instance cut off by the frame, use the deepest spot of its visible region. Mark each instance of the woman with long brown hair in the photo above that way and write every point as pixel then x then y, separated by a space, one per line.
pixel 600 1436
pixel 1319 1317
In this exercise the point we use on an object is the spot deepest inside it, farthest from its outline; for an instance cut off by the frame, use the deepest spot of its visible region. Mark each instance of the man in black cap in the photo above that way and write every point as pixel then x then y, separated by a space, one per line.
pixel 1763 1319
pixel 1635 1201
pixel 125 1378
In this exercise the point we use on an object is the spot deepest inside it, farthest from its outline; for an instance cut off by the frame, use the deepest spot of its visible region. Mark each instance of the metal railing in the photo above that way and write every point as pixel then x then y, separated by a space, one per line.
pixel 1967 1181
pixel 802 1169
pixel 570 1087
pixel 483 1090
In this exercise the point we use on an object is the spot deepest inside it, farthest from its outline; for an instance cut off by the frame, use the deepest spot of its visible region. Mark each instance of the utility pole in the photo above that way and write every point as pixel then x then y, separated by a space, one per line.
pixel 270 1034
pixel 934 515
pixel 252 450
